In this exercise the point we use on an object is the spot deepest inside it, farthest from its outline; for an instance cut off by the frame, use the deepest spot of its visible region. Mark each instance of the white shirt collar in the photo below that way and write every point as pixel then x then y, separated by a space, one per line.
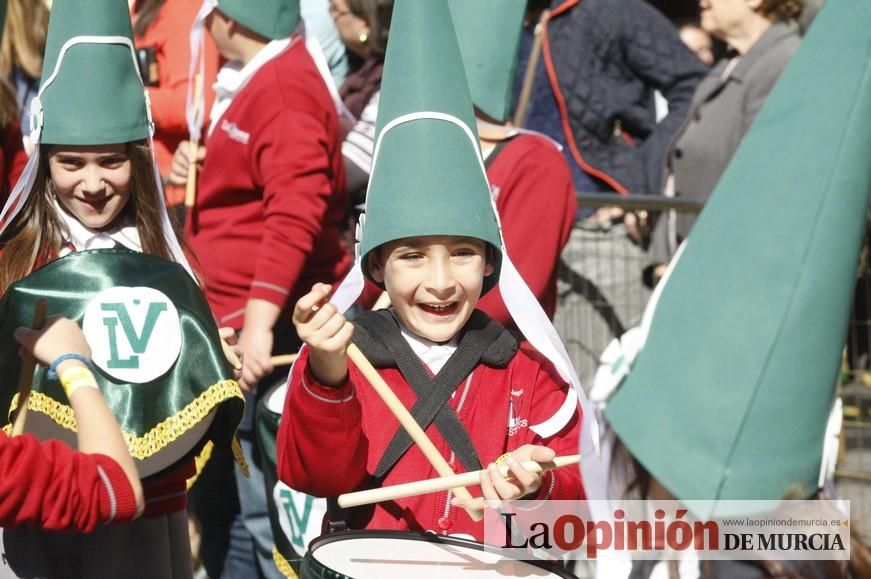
pixel 233 76
pixel 83 238
pixel 433 354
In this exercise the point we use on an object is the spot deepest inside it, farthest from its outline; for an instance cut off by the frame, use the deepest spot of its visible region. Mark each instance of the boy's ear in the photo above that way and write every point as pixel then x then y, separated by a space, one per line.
pixel 489 269
pixel 376 269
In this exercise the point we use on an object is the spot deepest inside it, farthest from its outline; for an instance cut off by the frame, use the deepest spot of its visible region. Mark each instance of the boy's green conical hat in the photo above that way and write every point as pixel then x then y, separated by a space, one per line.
pixel 730 397
pixel 271 19
pixel 428 177
pixel 91 92
pixel 489 33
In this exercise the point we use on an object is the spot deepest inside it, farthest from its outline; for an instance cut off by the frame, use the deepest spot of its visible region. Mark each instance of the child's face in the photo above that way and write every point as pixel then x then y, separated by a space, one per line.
pixel 219 29
pixel 91 182
pixel 433 282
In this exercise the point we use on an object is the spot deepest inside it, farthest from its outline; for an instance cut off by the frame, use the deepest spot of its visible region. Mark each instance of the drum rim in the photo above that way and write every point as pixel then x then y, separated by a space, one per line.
pixel 427 537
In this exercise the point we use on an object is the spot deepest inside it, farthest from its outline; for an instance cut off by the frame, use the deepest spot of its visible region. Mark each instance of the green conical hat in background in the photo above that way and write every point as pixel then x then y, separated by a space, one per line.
pixel 730 397
pixel 428 177
pixel 489 33
pixel 271 19
pixel 91 92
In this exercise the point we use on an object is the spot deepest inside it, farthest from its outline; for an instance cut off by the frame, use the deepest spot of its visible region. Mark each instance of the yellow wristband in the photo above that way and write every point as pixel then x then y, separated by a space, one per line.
pixel 77 377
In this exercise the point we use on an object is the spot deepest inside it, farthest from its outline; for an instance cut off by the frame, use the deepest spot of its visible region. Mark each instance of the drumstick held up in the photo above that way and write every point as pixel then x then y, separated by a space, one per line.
pixel 435 485
pixel 28 365
pixel 409 424
pixel 190 193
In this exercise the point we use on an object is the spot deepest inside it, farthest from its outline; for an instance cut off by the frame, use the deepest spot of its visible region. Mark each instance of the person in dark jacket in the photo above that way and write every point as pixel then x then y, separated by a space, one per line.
pixel 593 89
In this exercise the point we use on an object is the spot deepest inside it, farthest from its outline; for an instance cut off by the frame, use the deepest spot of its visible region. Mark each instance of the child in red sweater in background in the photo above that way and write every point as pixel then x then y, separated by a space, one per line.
pixel 266 225
pixel 431 240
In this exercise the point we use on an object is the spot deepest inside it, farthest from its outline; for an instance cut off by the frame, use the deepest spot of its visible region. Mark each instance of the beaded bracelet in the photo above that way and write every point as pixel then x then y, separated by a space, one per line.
pixel 52 369
pixel 77 377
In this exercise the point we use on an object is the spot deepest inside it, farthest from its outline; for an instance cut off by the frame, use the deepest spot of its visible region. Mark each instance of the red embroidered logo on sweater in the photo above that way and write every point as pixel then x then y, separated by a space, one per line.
pixel 235 133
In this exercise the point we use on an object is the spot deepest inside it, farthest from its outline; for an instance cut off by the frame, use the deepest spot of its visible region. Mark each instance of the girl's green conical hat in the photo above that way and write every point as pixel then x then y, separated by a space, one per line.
pixel 489 33
pixel 428 177
pixel 91 92
pixel 271 19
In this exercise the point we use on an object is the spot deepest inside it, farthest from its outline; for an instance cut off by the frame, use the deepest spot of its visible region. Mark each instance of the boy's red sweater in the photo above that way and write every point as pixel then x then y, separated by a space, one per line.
pixel 270 198
pixel 535 198
pixel 332 439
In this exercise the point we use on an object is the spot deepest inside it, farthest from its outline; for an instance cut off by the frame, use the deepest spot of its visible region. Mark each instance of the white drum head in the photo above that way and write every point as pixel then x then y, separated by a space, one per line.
pixel 362 557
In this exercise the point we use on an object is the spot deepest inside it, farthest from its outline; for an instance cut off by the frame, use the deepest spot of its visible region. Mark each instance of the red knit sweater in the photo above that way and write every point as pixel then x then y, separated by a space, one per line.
pixel 48 485
pixel 536 202
pixel 331 439
pixel 270 199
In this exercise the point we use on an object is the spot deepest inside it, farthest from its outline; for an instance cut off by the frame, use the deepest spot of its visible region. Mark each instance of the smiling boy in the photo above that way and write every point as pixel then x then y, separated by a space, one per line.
pixel 432 241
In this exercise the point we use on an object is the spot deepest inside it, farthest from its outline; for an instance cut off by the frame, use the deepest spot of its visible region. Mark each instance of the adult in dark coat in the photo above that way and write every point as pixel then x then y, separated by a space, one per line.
pixel 762 38
pixel 593 90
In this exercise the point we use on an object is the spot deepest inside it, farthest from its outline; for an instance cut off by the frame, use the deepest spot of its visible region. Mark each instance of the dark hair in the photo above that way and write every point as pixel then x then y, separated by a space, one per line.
pixel 145 11
pixel 35 235
pixel 377 13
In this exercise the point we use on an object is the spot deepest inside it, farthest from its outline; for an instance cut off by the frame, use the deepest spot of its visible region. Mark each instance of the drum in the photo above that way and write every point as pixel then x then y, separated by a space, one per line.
pixel 155 349
pixel 406 555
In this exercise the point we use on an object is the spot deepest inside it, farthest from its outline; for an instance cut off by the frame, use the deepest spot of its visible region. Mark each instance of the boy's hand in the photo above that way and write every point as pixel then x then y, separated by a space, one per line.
pixel 58 336
pixel 256 346
pixel 181 160
pixel 228 336
pixel 519 482
pixel 327 333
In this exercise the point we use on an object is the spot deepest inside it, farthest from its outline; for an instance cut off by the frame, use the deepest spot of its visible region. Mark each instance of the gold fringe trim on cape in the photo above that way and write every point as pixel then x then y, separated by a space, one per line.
pixel 200 461
pixel 240 456
pixel 163 434
pixel 283 566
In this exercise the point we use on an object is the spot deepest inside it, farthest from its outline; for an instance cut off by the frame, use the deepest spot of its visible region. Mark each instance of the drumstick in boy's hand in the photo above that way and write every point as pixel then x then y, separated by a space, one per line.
pixel 410 425
pixel 28 365
pixel 435 485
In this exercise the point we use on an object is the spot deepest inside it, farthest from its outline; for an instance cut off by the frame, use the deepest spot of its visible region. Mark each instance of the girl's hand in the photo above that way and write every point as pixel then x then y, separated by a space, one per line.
pixel 327 333
pixel 519 482
pixel 58 336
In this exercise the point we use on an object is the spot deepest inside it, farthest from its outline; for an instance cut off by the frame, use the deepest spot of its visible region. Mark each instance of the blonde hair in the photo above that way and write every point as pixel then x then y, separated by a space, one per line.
pixel 24 35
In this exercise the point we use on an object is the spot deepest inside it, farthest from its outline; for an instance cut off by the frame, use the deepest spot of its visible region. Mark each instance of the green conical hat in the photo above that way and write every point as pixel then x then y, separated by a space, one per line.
pixel 489 33
pixel 91 92
pixel 271 19
pixel 427 174
pixel 730 397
